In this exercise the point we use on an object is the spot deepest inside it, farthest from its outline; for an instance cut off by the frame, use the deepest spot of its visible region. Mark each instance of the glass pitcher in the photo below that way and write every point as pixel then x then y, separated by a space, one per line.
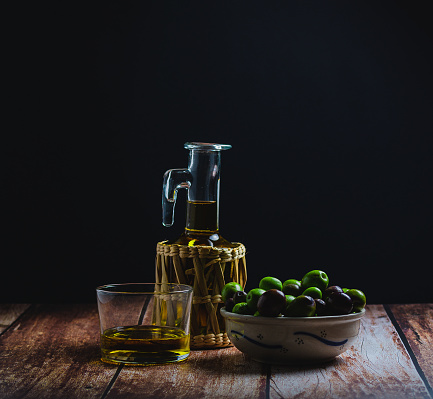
pixel 202 180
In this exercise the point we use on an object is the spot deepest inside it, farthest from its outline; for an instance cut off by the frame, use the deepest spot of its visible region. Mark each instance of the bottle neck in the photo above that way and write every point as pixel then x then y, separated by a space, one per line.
pixel 204 167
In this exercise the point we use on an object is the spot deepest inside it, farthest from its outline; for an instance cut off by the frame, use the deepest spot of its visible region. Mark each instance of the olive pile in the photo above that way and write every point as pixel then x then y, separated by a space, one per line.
pixel 310 296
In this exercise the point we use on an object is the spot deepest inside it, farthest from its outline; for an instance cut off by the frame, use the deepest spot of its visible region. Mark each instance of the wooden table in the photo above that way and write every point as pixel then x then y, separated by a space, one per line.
pixel 52 351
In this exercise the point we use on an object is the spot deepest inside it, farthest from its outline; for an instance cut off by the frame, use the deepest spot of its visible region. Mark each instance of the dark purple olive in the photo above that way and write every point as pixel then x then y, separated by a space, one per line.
pixel 320 307
pixel 271 303
pixel 292 289
pixel 229 304
pixel 301 306
pixel 358 299
pixel 330 290
pixel 239 296
pixel 339 303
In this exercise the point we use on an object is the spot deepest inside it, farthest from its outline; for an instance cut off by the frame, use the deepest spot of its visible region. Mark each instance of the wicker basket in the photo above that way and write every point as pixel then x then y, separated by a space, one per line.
pixel 207 270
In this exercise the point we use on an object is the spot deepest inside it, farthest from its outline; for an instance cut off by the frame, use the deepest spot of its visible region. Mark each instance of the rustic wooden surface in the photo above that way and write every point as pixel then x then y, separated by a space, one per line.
pixel 218 373
pixel 416 322
pixel 10 312
pixel 52 351
pixel 378 365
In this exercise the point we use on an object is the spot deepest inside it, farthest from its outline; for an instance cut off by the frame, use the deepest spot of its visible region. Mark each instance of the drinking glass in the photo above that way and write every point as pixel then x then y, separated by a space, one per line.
pixel 144 323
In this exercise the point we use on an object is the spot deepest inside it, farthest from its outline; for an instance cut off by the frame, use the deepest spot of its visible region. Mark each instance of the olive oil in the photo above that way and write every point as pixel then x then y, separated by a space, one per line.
pixel 144 345
pixel 202 225
pixel 202 216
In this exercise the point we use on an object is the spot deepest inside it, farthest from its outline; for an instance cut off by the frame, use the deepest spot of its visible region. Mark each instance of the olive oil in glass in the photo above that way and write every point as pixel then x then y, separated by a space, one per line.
pixel 202 216
pixel 202 225
pixel 144 323
pixel 144 345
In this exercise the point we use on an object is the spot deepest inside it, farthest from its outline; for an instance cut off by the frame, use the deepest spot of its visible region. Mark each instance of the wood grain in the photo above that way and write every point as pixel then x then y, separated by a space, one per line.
pixel 9 312
pixel 416 322
pixel 211 373
pixel 378 366
pixel 53 352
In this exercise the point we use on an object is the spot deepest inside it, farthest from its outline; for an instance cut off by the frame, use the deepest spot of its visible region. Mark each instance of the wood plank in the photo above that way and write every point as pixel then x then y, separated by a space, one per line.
pixel 416 322
pixel 53 352
pixel 217 373
pixel 378 366
pixel 9 312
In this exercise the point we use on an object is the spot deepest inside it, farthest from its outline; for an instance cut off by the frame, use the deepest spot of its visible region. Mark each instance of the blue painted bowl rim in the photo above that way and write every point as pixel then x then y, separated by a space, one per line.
pixel 290 320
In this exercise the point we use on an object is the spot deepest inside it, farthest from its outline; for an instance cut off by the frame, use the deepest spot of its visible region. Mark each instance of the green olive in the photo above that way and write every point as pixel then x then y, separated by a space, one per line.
pixel 269 283
pixel 315 278
pixel 301 306
pixel 229 290
pixel 253 297
pixel 242 308
pixel 289 298
pixel 292 281
pixel 314 292
pixel 358 299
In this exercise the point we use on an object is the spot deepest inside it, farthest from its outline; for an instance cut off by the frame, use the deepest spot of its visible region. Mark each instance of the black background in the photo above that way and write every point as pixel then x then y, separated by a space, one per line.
pixel 328 107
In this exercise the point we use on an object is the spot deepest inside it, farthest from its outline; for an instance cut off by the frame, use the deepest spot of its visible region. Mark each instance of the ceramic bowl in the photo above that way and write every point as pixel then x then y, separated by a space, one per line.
pixel 292 340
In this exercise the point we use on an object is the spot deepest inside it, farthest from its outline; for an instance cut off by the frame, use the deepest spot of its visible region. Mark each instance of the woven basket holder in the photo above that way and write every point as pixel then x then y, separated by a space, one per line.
pixel 207 270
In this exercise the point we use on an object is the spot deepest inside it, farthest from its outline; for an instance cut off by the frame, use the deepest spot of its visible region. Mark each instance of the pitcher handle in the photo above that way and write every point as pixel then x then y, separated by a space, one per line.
pixel 174 179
